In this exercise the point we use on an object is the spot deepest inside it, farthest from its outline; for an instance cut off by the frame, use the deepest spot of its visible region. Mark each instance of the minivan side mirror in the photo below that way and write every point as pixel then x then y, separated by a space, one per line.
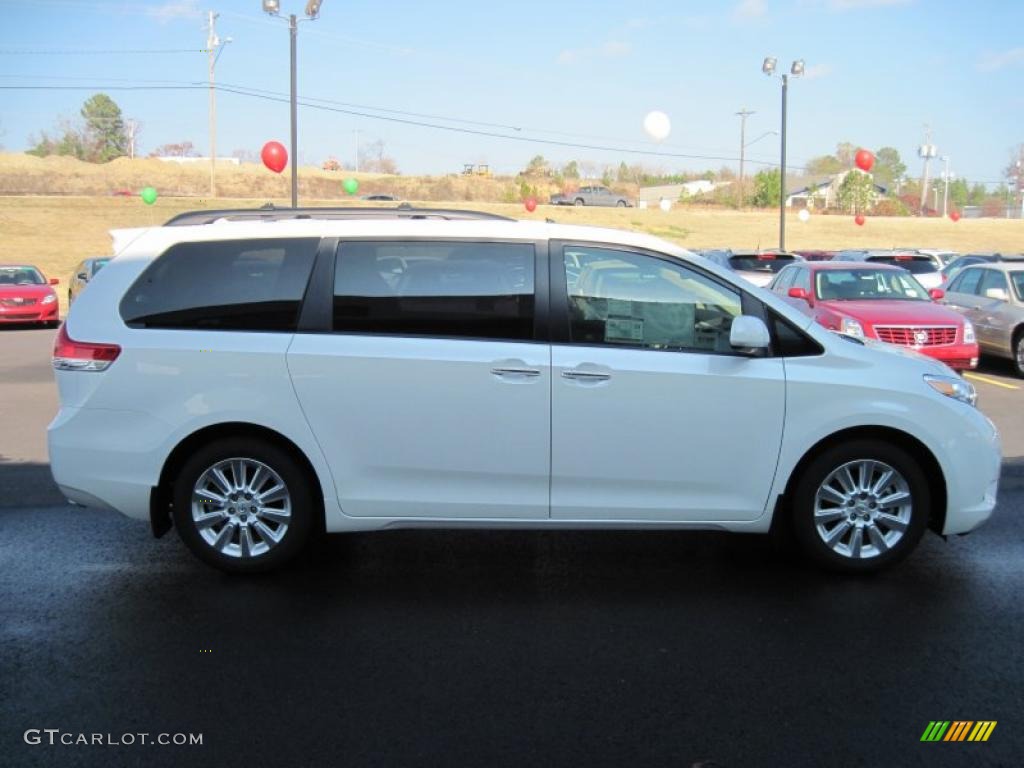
pixel 749 332
pixel 82 276
pixel 799 293
pixel 937 293
pixel 999 294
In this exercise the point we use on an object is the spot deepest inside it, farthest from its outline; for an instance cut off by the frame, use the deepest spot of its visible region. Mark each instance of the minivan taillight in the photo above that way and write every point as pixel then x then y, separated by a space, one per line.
pixel 71 355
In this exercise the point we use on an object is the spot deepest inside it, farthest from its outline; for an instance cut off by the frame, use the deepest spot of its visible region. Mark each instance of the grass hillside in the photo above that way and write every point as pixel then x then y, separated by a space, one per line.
pixel 55 232
pixel 28 175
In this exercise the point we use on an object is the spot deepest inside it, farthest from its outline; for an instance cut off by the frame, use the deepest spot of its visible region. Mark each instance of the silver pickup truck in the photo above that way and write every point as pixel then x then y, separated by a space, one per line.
pixel 594 195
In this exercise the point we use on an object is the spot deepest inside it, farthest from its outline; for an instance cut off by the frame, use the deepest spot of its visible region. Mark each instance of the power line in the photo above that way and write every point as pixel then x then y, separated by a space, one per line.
pixel 251 93
pixel 90 51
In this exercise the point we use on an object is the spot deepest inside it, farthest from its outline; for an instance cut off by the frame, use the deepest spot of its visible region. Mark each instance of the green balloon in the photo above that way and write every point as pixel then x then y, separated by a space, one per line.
pixel 351 186
pixel 148 195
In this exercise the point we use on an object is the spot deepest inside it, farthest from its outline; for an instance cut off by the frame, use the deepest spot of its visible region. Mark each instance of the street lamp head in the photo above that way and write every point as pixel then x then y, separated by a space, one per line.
pixel 768 67
pixel 798 68
pixel 273 7
pixel 313 8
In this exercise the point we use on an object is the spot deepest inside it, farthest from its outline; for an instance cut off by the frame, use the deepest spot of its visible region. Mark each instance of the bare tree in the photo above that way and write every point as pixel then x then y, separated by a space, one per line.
pixel 181 149
pixel 372 158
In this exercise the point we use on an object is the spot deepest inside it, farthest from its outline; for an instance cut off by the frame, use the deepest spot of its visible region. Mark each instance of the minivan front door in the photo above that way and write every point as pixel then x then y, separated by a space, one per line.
pixel 430 398
pixel 654 416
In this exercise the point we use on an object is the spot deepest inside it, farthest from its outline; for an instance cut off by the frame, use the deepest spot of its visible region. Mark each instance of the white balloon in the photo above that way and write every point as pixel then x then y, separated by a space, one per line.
pixel 804 214
pixel 665 204
pixel 657 125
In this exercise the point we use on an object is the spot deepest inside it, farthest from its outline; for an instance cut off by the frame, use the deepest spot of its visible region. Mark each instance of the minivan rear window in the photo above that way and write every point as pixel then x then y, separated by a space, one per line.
pixel 916 265
pixel 223 285
pixel 435 288
pixel 767 262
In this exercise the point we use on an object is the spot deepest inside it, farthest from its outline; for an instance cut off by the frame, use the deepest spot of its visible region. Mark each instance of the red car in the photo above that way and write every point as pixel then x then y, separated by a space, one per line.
pixel 883 302
pixel 26 296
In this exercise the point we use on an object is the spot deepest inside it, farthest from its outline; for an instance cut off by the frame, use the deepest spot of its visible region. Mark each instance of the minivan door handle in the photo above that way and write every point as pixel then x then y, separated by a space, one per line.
pixel 578 375
pixel 527 372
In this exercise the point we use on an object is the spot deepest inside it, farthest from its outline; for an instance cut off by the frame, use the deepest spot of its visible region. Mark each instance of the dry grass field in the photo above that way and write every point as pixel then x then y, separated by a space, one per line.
pixel 54 233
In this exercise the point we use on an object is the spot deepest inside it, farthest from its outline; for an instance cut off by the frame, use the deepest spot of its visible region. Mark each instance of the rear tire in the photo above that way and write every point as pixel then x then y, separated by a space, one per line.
pixel 1018 353
pixel 860 506
pixel 244 505
pixel 578 202
pixel 620 204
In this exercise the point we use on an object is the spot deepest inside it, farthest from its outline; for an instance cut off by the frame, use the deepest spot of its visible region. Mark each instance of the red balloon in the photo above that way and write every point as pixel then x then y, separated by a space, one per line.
pixel 859 219
pixel 954 215
pixel 274 156
pixel 531 204
pixel 864 160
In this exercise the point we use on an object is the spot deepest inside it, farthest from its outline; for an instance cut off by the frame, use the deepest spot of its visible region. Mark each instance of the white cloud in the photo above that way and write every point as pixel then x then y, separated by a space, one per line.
pixel 612 49
pixel 748 10
pixel 857 5
pixel 815 71
pixel 175 9
pixel 995 60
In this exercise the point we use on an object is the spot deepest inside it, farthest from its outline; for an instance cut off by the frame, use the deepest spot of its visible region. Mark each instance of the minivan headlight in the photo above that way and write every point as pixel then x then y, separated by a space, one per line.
pixel 851 327
pixel 969 333
pixel 956 388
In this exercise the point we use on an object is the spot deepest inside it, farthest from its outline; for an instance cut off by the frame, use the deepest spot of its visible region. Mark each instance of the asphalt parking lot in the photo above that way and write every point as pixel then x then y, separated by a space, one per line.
pixel 492 649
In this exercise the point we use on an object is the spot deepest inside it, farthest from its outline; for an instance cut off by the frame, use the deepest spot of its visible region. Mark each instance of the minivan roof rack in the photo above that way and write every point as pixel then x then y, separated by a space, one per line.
pixel 270 212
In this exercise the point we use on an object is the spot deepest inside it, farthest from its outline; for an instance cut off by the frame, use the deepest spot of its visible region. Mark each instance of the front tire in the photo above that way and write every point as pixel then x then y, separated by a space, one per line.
pixel 1018 353
pixel 578 202
pixel 243 505
pixel 860 506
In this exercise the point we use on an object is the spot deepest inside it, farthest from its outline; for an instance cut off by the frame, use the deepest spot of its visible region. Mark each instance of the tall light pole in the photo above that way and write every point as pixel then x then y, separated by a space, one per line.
pixel 926 152
pixel 743 114
pixel 273 7
pixel 796 70
pixel 214 48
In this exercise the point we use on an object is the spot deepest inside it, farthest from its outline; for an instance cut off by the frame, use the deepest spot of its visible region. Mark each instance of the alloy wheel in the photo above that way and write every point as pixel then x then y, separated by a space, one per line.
pixel 862 509
pixel 241 507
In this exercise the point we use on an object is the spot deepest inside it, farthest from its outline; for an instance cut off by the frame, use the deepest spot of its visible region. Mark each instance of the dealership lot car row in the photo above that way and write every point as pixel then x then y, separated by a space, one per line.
pixel 255 377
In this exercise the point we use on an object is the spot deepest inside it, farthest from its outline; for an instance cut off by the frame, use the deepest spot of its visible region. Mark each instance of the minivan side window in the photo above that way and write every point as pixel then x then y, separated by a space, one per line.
pixel 475 290
pixel 629 299
pixel 223 285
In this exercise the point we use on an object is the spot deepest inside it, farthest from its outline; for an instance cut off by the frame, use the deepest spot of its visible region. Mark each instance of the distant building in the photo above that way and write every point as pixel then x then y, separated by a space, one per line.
pixel 678 191
pixel 825 193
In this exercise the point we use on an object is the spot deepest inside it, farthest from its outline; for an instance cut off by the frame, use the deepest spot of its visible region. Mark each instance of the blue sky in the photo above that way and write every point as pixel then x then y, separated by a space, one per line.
pixel 583 72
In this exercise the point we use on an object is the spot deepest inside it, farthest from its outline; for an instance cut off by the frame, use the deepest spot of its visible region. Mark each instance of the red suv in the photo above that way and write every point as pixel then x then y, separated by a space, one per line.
pixel 881 302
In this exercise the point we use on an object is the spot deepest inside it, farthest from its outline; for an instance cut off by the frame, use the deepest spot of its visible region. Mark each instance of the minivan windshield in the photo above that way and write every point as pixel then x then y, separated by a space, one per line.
pixel 867 284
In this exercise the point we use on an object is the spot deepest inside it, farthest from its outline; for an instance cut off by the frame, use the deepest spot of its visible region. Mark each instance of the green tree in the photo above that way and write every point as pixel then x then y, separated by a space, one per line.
pixel 67 140
pixel 959 192
pixel 823 165
pixel 623 174
pixel 105 134
pixel 607 178
pixel 977 195
pixel 888 166
pixel 766 188
pixel 538 166
pixel 571 170
pixel 855 192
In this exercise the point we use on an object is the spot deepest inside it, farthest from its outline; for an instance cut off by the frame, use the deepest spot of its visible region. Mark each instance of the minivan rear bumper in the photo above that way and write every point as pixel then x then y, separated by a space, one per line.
pixel 102 458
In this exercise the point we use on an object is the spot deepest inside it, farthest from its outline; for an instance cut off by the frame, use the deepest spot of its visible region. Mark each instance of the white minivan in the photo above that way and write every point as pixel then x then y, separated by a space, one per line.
pixel 253 378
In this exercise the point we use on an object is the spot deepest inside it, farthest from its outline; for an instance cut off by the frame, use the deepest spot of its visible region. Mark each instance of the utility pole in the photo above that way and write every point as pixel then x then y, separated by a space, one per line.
pixel 945 191
pixel 293 30
pixel 743 114
pixel 926 151
pixel 132 126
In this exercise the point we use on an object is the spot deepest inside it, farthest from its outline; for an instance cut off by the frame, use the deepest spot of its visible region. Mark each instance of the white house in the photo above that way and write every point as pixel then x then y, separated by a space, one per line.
pixel 825 193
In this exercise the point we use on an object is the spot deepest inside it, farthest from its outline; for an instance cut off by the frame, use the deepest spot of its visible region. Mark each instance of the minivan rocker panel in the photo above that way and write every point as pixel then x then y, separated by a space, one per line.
pixel 365 374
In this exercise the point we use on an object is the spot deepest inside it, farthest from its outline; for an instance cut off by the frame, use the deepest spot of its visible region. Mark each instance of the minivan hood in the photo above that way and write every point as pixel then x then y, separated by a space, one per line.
pixel 930 363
